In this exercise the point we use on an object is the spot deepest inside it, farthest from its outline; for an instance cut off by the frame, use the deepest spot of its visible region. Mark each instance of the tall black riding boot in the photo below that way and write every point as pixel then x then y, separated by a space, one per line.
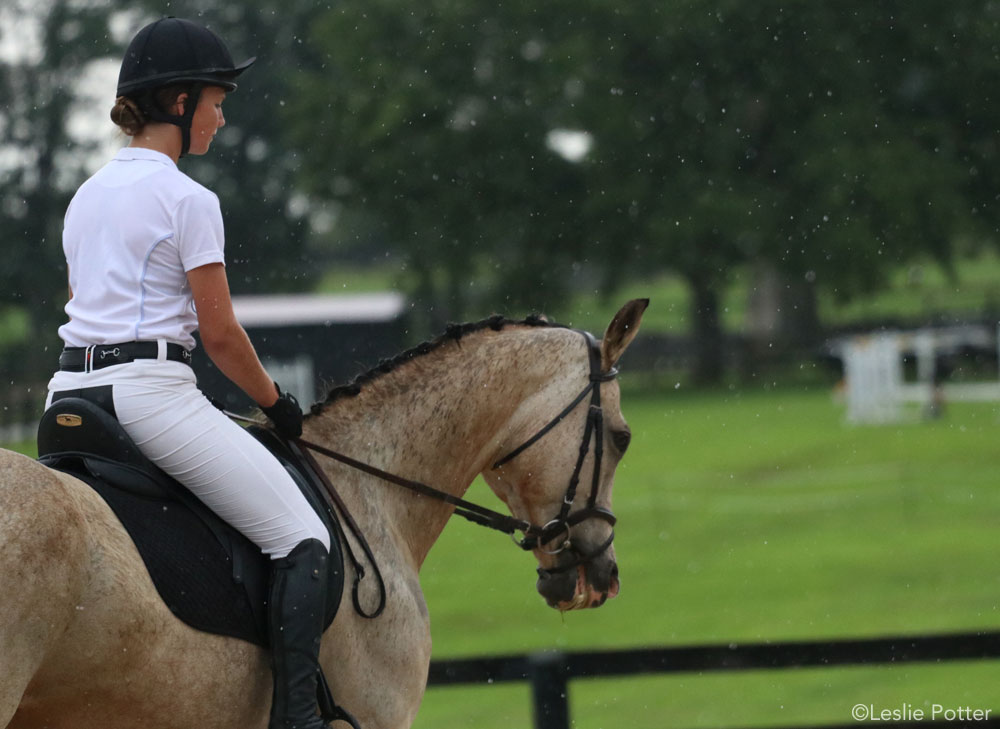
pixel 295 623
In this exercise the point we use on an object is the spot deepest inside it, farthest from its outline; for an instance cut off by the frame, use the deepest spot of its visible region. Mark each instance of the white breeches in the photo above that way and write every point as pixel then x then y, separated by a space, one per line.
pixel 178 429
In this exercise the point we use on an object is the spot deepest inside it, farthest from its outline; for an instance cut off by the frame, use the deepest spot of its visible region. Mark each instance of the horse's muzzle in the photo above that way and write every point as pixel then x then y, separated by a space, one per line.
pixel 579 584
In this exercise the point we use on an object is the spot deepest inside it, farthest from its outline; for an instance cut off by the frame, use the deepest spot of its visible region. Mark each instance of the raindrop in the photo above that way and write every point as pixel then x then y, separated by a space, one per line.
pixel 532 50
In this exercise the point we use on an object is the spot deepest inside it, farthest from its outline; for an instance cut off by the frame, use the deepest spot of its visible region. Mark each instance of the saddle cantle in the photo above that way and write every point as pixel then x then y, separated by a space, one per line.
pixel 208 574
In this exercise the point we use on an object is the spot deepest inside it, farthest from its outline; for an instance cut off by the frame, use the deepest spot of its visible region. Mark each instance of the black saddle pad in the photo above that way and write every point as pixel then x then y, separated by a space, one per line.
pixel 208 574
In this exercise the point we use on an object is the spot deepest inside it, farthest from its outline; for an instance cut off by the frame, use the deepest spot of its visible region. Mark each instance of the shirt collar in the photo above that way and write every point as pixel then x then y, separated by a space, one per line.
pixel 129 154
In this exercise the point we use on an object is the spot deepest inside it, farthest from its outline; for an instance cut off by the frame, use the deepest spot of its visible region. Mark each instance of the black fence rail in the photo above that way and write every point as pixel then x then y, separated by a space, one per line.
pixel 550 672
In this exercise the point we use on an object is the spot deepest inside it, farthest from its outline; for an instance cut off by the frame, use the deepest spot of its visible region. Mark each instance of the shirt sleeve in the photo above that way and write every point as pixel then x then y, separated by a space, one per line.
pixel 200 236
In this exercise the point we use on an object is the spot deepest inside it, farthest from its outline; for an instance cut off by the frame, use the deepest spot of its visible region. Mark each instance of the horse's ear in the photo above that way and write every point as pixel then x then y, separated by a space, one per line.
pixel 621 331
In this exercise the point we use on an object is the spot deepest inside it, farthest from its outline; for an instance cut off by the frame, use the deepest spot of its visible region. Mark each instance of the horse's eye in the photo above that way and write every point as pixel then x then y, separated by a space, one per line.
pixel 621 439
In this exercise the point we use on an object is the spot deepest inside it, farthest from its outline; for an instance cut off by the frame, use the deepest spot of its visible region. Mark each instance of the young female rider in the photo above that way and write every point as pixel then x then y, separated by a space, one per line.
pixel 144 246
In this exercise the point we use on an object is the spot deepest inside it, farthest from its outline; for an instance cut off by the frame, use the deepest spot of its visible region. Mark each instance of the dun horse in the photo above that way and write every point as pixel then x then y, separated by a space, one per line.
pixel 86 642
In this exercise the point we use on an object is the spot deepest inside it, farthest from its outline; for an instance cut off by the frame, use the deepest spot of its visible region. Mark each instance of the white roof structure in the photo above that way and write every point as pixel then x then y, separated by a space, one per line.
pixel 318 309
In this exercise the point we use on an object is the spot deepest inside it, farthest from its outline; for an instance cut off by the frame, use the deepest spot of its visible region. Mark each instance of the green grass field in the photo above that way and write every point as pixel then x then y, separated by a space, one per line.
pixel 750 517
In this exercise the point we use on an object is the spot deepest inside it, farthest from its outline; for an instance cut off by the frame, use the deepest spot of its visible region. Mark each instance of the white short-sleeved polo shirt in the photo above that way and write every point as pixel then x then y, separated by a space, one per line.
pixel 131 234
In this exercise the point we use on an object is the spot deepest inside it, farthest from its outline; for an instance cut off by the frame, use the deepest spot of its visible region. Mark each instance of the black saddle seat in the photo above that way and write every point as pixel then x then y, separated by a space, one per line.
pixel 211 576
pixel 86 429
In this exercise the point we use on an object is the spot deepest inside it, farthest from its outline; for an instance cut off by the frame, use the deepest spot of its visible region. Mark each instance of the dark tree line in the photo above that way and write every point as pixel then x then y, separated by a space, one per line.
pixel 823 144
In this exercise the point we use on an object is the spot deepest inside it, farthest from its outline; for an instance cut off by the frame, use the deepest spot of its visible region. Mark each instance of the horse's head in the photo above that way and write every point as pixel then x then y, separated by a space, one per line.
pixel 556 463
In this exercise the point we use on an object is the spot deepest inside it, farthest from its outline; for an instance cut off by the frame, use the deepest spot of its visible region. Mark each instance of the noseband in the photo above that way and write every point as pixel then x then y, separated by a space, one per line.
pixel 566 519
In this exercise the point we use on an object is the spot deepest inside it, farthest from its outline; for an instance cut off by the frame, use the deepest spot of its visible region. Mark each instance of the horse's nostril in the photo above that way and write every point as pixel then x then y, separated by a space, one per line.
pixel 615 584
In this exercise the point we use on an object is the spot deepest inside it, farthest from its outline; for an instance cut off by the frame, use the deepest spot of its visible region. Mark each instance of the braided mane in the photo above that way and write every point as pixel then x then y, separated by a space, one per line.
pixel 453 333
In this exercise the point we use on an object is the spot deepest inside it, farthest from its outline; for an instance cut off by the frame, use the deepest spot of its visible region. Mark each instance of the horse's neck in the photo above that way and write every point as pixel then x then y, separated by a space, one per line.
pixel 436 420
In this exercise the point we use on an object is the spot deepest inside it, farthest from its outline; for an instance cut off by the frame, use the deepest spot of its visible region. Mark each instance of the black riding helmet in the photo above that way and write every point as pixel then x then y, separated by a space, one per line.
pixel 172 50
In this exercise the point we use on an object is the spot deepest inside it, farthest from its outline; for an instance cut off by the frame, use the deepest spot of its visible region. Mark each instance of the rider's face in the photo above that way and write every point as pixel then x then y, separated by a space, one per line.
pixel 208 119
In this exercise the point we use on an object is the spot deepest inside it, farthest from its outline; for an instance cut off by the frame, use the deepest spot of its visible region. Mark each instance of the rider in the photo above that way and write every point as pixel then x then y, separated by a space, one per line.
pixel 144 247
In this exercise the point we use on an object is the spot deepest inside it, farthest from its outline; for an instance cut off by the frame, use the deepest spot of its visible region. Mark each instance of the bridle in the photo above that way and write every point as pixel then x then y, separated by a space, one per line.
pixel 535 536
pixel 566 519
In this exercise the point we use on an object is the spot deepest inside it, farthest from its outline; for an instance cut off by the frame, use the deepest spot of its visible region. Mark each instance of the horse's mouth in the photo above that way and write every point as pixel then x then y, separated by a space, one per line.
pixel 565 595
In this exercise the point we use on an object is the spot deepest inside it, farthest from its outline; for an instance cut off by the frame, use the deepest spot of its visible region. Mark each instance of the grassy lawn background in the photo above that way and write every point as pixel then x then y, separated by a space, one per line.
pixel 750 517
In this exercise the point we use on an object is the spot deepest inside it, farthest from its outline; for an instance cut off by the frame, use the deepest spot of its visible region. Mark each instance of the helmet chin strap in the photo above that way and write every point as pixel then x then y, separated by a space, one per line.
pixel 149 108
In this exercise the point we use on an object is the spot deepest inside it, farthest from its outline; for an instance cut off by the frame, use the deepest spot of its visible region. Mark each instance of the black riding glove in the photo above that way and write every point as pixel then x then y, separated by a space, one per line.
pixel 285 414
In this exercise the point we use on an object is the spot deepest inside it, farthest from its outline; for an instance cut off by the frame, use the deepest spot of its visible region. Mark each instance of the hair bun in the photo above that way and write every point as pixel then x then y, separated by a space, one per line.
pixel 127 115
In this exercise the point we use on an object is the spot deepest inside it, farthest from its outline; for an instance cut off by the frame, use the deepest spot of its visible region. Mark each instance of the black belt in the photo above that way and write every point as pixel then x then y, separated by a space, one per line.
pixel 99 356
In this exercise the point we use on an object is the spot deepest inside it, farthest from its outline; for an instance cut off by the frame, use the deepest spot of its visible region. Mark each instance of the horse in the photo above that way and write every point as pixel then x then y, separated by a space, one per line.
pixel 86 642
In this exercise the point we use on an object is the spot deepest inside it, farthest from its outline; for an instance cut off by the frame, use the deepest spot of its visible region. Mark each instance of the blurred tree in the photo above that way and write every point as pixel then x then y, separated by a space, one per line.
pixel 821 145
pixel 811 142
pixel 40 161
pixel 752 134
pixel 434 119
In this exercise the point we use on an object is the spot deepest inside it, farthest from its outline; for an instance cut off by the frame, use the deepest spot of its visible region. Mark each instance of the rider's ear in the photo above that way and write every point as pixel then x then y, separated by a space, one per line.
pixel 177 109
pixel 621 331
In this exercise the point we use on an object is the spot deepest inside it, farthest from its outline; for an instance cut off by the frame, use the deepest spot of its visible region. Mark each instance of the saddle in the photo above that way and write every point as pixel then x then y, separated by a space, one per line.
pixel 207 573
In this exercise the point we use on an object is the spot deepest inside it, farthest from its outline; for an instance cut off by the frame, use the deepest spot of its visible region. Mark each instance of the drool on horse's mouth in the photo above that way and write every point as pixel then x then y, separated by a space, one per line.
pixel 566 595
